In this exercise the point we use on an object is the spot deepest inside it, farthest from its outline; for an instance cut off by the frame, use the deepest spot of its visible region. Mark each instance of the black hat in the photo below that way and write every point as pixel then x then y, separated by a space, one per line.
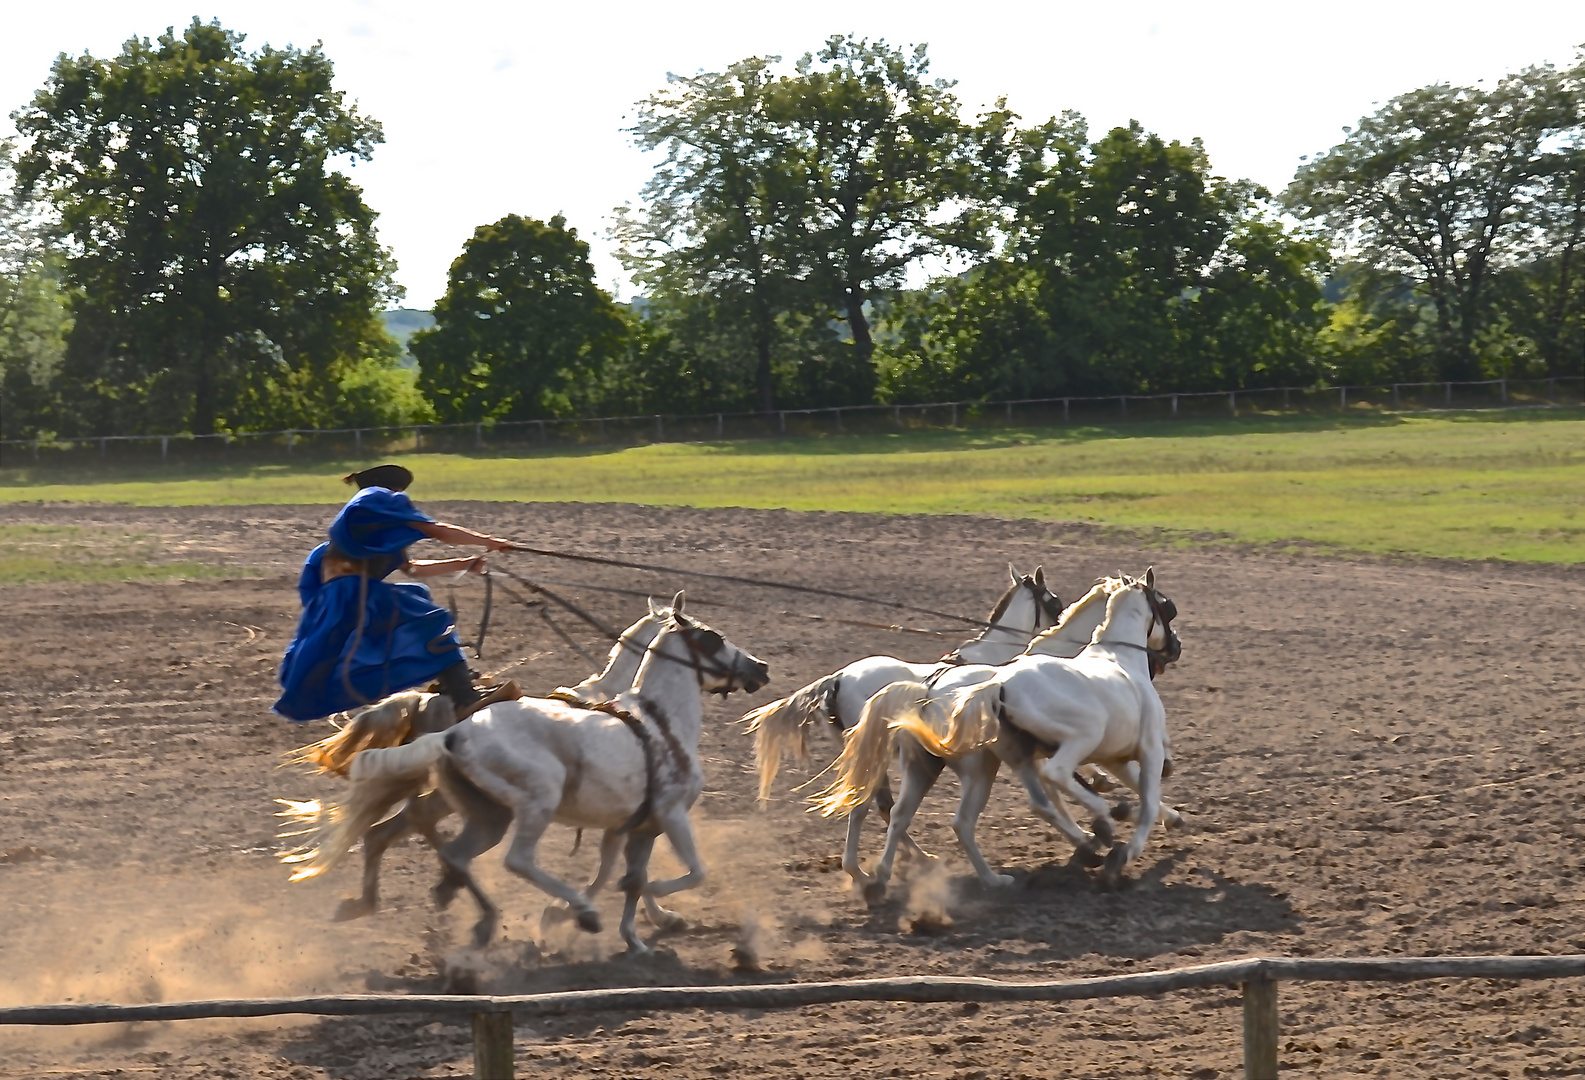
pixel 394 477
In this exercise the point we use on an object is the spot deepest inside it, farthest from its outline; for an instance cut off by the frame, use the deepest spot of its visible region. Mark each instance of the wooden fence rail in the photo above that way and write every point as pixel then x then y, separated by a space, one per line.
pixel 493 1016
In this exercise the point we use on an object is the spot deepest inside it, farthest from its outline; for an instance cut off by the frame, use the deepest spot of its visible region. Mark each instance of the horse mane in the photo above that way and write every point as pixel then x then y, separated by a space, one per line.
pixel 1120 585
pixel 1003 604
pixel 1108 585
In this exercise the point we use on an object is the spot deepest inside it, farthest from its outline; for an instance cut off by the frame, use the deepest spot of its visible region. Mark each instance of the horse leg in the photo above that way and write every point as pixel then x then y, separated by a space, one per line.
pixel 1053 811
pixel 976 774
pixel 421 814
pixel 639 846
pixel 1058 771
pixel 484 828
pixel 610 847
pixel 850 851
pixel 1149 810
pixel 919 771
pixel 674 822
pixel 1128 773
pixel 533 818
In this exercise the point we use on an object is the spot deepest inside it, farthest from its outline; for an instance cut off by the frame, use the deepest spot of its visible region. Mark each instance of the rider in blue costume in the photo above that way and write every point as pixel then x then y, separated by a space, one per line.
pixel 360 637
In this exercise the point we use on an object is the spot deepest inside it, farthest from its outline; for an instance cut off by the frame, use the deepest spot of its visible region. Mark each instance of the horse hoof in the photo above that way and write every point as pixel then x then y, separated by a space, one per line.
pixel 670 922
pixel 1123 811
pixel 1087 857
pixel 637 948
pixel 1104 836
pixel 1003 881
pixel 483 931
pixel 875 894
pixel 354 907
pixel 1112 872
pixel 589 921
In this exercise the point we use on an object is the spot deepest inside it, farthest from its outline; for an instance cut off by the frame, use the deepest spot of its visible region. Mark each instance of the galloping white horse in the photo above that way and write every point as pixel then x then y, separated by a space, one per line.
pixel 633 768
pixel 1024 610
pixel 869 742
pixel 1100 708
pixel 384 724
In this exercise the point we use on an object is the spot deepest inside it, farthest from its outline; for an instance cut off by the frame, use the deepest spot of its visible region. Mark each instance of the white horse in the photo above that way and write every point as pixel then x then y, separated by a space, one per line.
pixel 633 768
pixel 402 717
pixel 1024 610
pixel 1105 711
pixel 869 743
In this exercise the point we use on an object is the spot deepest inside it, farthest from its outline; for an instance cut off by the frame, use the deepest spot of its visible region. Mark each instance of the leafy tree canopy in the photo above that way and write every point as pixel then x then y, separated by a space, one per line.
pixel 226 274
pixel 522 325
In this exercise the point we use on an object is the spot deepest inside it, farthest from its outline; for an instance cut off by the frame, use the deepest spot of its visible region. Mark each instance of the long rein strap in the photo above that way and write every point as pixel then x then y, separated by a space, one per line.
pixel 813 590
pixel 690 662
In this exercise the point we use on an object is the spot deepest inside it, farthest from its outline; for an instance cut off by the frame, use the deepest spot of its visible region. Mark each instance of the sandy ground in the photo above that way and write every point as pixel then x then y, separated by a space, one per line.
pixel 1373 758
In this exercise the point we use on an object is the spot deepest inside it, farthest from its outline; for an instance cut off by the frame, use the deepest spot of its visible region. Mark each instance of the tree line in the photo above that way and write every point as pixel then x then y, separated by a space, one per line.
pixel 182 249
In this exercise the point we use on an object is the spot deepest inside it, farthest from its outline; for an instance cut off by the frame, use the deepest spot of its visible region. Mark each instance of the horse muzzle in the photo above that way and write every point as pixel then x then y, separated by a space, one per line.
pixel 752 676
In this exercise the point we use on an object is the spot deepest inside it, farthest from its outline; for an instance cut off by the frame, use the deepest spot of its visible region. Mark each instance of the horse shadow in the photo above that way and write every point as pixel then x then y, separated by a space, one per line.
pixel 1060 911
pixel 363 1048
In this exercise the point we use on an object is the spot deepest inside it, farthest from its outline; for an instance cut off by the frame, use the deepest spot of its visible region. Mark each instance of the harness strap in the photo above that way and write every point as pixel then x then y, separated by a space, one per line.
pixel 636 726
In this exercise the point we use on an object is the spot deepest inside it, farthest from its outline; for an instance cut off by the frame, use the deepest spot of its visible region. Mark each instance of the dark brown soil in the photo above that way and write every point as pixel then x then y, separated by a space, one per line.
pixel 1373 758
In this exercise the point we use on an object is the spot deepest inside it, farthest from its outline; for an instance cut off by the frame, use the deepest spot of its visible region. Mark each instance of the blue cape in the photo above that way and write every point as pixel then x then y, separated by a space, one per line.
pixel 406 639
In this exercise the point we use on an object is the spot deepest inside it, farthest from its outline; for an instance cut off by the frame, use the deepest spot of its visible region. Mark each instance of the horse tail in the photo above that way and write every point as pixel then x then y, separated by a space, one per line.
pixel 783 726
pixel 380 779
pixel 388 723
pixel 867 748
pixel 973 722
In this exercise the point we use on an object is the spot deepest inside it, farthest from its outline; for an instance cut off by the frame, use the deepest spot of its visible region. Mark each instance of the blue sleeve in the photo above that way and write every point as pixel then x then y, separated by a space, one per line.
pixel 308 583
pixel 377 521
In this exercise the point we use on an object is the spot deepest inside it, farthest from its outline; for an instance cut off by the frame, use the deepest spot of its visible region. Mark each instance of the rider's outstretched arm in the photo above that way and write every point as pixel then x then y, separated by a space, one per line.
pixel 447 533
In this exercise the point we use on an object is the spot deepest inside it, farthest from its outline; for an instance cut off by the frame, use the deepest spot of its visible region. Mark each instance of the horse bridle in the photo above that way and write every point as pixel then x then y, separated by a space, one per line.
pixel 1047 604
pixel 1158 613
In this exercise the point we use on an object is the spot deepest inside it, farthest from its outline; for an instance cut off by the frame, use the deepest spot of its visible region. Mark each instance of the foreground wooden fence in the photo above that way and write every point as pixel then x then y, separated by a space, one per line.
pixel 493 1017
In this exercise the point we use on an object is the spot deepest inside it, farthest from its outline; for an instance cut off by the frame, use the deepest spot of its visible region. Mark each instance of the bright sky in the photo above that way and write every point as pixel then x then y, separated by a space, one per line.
pixel 494 107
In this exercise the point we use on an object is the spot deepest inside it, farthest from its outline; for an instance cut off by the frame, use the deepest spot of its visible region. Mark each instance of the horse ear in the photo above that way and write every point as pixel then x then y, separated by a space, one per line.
pixel 1012 572
pixel 676 603
pixel 654 608
pixel 1150 577
pixel 1040 576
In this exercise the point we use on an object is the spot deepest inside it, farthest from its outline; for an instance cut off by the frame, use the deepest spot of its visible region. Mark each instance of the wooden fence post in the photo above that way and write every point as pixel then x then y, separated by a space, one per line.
pixel 1284 399
pixel 1064 410
pixel 1174 404
pixel 1123 405
pixel 1009 412
pixel 418 439
pixel 782 419
pixel 720 425
pixel 1261 1029
pixel 1232 403
pixel 839 419
pixel 357 441
pixel 954 422
pixel 492 1046
pixel 1504 383
pixel 541 424
pixel 1450 393
pixel 478 435
pixel 897 415
pixel 1342 398
pixel 290 436
pixel 165 447
pixel 660 429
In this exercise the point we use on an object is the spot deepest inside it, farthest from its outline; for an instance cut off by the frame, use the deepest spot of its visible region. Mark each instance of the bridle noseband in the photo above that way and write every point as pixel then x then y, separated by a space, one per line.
pixel 1048 606
pixel 1157 658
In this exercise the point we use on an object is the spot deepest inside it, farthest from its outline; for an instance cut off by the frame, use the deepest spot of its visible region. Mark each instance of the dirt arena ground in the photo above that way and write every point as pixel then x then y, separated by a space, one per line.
pixel 1373 758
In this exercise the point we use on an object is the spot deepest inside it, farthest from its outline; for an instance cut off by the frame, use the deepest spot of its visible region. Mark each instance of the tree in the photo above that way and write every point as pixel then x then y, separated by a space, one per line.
pixel 1439 188
pixel 521 325
pixel 888 171
pixel 721 209
pixel 33 314
pixel 223 270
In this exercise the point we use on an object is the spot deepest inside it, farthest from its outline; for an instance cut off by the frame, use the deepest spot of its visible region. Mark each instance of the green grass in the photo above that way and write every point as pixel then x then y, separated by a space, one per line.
pixel 31 554
pixel 1478 485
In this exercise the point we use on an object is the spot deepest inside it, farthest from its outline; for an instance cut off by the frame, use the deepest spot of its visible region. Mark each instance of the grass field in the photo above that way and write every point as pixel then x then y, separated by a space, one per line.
pixel 1478 485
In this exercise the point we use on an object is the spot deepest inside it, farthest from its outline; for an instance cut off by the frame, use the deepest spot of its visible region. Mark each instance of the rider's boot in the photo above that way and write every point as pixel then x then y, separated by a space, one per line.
pixel 456 682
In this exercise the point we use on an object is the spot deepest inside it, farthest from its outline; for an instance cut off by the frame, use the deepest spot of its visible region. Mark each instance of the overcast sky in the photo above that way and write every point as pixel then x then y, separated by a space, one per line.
pixel 493 108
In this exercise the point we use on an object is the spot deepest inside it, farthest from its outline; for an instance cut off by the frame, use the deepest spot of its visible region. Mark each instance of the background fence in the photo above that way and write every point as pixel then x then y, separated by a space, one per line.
pixel 528 435
pixel 493 1017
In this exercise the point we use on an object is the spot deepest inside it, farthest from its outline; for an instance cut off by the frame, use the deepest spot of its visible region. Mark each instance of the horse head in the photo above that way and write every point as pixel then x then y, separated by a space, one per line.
pixel 722 667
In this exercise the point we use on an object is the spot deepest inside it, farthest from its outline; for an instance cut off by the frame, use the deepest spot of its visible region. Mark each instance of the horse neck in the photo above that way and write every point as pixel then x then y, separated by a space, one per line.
pixel 622 666
pixel 1127 619
pixel 1001 642
pixel 671 688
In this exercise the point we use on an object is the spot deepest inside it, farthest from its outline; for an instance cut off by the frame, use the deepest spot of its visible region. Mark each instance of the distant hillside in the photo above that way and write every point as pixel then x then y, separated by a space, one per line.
pixel 402 324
